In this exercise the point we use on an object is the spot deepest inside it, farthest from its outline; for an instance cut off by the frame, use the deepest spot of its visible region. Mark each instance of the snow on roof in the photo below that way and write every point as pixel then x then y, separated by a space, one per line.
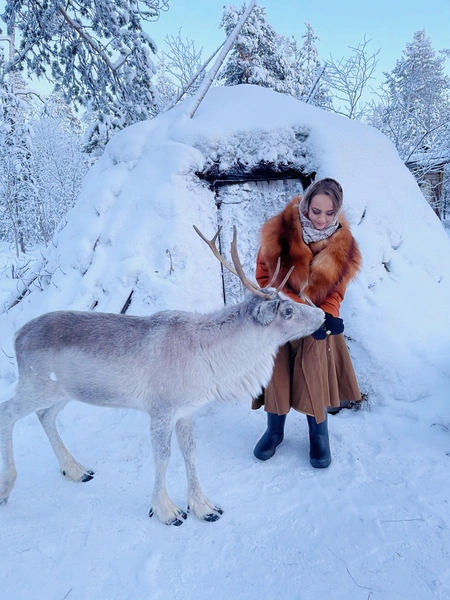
pixel 131 230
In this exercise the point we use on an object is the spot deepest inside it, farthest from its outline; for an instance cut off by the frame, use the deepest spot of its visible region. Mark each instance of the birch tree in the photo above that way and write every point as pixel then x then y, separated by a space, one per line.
pixel 16 177
pixel 349 78
pixel 59 165
pixel 182 60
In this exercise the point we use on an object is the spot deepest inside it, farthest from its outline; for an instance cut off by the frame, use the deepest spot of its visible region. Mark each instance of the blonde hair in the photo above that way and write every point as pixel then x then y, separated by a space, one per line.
pixel 328 186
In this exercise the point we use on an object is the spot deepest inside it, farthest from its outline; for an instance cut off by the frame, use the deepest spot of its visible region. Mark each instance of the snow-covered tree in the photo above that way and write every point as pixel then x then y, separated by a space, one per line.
pixel 259 56
pixel 182 60
pixel 100 127
pixel 41 164
pixel 59 164
pixel 263 57
pixel 41 168
pixel 445 205
pixel 95 53
pixel 180 71
pixel 348 79
pixel 166 87
pixel 414 110
pixel 16 175
pixel 308 70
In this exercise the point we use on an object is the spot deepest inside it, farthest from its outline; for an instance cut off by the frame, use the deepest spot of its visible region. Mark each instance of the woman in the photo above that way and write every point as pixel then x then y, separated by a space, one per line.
pixel 315 372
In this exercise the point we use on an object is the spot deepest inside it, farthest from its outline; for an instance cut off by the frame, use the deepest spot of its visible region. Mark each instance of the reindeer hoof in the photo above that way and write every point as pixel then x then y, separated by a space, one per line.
pixel 77 473
pixel 211 517
pixel 214 516
pixel 179 521
pixel 3 501
pixel 176 520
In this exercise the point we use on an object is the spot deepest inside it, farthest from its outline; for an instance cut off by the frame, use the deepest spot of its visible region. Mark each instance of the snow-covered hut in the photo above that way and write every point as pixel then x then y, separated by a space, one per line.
pixel 129 243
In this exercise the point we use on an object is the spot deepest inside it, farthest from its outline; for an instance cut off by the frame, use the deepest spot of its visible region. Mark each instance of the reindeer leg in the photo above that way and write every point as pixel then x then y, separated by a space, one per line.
pixel 25 401
pixel 197 501
pixel 161 505
pixel 68 466
pixel 8 472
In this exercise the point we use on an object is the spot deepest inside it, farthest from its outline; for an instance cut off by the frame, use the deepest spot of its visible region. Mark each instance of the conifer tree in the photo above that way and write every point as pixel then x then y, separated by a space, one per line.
pixel 415 108
pixel 414 112
pixel 260 56
pixel 95 53
pixel 310 84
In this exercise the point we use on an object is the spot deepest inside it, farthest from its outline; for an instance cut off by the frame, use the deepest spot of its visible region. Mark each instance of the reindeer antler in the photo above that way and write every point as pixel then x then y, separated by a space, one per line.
pixel 306 300
pixel 238 270
pixel 212 244
pixel 238 266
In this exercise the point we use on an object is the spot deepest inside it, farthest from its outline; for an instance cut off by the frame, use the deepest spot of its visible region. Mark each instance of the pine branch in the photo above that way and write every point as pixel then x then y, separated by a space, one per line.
pixel 87 38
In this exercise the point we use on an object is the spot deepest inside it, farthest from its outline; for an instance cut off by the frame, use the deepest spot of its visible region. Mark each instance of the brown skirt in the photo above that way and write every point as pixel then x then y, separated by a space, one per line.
pixel 310 375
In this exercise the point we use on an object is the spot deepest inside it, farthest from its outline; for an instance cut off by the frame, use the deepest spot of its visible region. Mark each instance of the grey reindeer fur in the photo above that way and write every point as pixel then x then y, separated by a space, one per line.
pixel 168 365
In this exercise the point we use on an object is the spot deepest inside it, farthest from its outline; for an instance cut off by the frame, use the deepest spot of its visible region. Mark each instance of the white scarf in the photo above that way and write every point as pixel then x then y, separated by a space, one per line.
pixel 310 233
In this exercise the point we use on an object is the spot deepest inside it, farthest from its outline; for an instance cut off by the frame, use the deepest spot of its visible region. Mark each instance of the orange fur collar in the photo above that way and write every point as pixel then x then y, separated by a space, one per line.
pixel 320 267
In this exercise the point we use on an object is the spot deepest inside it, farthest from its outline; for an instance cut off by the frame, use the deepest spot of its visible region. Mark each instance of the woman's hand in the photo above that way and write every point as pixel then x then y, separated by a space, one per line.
pixel 331 326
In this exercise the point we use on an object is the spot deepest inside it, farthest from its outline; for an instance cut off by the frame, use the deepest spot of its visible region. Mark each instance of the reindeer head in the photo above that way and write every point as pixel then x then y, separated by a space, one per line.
pixel 292 320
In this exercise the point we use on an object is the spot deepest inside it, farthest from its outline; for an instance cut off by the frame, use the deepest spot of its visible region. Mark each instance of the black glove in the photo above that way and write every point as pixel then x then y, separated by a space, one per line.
pixel 334 325
pixel 331 326
pixel 320 334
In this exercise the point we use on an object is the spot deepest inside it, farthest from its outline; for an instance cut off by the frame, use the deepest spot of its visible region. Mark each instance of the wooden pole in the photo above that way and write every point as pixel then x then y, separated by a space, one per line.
pixel 193 79
pixel 201 92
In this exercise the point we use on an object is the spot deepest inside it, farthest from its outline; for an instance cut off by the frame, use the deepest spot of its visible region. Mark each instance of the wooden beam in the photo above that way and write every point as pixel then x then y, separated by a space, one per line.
pixel 201 92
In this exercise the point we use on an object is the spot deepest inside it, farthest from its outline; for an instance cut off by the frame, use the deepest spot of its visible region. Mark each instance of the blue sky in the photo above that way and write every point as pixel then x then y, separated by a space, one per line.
pixel 390 24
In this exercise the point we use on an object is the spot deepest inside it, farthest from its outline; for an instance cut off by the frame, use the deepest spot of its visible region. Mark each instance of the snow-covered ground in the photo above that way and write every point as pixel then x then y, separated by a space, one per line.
pixel 373 525
pixel 376 521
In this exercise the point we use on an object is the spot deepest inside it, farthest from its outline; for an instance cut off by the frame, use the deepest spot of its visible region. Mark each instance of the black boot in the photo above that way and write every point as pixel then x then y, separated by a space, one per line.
pixel 319 454
pixel 272 437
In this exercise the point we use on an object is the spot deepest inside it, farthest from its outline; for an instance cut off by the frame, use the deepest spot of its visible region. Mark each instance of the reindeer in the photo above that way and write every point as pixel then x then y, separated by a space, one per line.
pixel 168 364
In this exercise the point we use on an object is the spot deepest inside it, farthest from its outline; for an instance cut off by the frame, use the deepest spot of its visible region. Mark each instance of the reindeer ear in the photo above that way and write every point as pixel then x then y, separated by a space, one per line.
pixel 266 311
